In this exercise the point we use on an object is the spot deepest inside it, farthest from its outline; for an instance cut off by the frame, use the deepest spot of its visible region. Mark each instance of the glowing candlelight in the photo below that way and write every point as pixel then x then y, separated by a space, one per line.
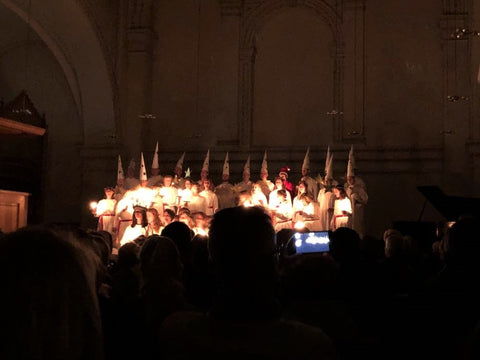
pixel 93 205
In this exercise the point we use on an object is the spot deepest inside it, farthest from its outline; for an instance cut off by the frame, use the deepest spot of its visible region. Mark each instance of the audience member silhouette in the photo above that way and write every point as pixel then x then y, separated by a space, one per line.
pixel 202 281
pixel 162 292
pixel 182 235
pixel 48 307
pixel 125 313
pixel 245 319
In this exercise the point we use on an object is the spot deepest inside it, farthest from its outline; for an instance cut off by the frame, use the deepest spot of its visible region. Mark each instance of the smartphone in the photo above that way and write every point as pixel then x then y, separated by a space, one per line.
pixel 311 242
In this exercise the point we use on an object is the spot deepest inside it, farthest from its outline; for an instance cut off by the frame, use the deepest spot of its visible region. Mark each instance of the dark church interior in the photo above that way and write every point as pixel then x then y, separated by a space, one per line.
pixel 159 161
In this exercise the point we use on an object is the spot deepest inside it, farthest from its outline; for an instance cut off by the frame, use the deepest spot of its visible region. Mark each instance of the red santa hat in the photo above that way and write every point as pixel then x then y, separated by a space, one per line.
pixel 284 170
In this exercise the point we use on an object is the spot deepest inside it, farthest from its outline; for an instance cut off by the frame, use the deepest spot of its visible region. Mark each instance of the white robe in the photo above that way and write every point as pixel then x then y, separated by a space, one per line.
pixel 106 215
pixel 359 198
pixel 326 200
pixel 282 215
pixel 312 186
pixel 243 187
pixel 273 199
pixel 131 233
pixel 169 196
pixel 197 204
pixel 124 214
pixel 212 201
pixel 226 195
pixel 339 218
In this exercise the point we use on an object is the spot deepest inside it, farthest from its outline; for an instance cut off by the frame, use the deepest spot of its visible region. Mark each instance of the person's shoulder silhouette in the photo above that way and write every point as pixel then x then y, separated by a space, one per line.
pixel 245 320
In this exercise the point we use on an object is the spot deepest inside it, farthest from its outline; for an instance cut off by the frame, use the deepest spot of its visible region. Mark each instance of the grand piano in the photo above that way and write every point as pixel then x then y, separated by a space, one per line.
pixel 449 209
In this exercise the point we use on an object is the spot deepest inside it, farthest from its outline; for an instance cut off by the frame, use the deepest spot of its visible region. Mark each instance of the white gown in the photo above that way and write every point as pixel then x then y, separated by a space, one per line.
pixel 131 233
pixel 359 198
pixel 106 215
pixel 326 200
pixel 339 218
pixel 212 202
pixel 226 195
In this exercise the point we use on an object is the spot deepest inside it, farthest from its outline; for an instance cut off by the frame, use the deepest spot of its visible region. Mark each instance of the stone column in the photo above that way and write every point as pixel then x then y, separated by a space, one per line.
pixel 140 38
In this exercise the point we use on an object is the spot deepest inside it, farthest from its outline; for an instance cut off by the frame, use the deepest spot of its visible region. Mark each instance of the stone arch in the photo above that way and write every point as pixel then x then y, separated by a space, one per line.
pixel 251 24
pixel 76 47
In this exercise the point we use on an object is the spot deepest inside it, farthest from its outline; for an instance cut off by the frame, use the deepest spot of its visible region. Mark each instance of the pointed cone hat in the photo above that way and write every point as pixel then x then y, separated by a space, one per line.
pixel 180 161
pixel 264 163
pixel 246 167
pixel 350 171
pixel 327 160
pixel 206 162
pixel 120 169
pixel 226 166
pixel 351 158
pixel 188 173
pixel 306 160
pixel 329 170
pixel 143 171
pixel 155 158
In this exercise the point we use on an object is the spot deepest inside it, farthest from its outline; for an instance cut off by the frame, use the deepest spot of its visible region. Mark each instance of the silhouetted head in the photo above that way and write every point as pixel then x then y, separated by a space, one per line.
pixel 181 235
pixel 48 306
pixel 242 245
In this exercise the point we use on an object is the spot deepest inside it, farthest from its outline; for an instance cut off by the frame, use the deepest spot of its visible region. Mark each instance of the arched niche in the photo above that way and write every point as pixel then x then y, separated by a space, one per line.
pixel 341 26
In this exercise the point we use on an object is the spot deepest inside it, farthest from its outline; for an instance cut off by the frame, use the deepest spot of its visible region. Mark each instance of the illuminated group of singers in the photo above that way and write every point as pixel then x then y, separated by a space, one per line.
pixel 145 205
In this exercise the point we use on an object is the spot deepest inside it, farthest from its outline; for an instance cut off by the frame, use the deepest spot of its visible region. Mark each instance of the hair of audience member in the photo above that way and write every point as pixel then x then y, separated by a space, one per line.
pixel 390 232
pixel 128 255
pixel 162 289
pixel 373 248
pixel 140 240
pixel 108 238
pixel 394 246
pixel 102 244
pixel 201 288
pixel 182 236
pixel 345 245
pixel 160 256
pixel 49 308
pixel 83 239
pixel 243 254
pixel 309 276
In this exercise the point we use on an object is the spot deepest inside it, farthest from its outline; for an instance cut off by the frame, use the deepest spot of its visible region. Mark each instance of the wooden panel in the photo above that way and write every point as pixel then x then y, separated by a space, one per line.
pixel 13 127
pixel 9 216
pixel 13 210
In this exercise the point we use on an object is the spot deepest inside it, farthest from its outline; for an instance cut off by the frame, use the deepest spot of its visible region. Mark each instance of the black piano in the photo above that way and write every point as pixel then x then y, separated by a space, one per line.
pixel 450 209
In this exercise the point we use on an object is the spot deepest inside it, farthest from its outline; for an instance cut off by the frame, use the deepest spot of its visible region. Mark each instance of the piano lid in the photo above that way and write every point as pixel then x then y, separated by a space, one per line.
pixel 451 207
